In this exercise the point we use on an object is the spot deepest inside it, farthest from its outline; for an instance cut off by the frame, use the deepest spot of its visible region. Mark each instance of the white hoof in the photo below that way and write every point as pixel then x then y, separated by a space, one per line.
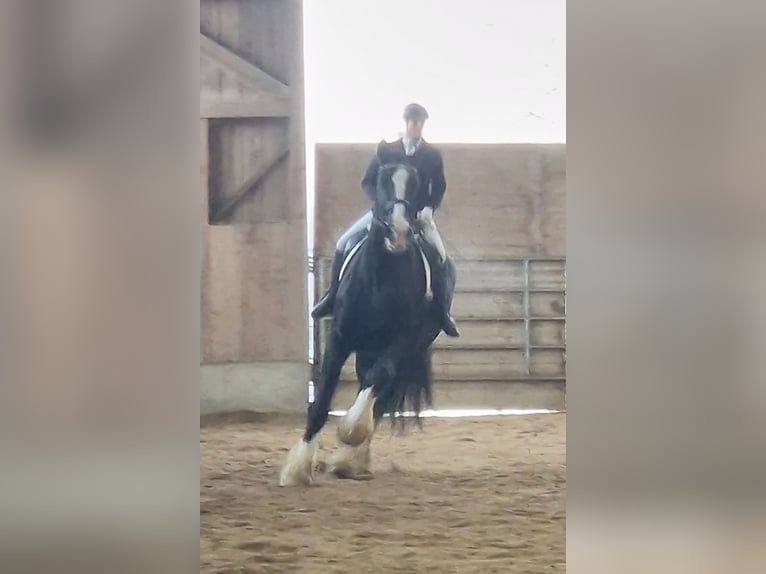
pixel 298 469
pixel 351 462
pixel 358 424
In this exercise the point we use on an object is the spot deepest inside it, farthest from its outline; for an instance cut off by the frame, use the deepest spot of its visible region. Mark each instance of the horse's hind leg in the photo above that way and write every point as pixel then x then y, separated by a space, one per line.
pixel 298 469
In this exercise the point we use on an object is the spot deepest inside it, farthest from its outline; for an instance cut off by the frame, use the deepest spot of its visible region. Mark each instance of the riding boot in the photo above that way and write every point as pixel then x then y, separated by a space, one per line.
pixel 325 304
pixel 443 292
pixel 449 326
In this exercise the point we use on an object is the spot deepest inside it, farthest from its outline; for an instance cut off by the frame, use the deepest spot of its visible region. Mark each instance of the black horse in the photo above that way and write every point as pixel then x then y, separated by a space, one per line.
pixel 384 312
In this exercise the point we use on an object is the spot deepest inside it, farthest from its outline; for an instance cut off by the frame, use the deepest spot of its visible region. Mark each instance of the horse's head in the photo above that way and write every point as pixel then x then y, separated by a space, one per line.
pixel 393 211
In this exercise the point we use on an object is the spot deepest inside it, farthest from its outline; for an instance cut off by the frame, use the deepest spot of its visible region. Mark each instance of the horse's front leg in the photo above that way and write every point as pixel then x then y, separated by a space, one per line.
pixel 359 423
pixel 355 461
pixel 298 469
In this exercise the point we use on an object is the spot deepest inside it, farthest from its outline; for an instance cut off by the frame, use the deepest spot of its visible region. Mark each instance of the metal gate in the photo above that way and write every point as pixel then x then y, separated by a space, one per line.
pixel 512 315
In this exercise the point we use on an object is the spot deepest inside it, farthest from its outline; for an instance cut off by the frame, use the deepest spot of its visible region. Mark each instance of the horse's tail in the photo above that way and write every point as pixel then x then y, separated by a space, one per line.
pixel 411 391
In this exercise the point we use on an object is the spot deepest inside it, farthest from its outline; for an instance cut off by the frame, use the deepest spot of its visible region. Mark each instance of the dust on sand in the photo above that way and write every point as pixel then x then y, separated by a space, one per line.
pixel 479 495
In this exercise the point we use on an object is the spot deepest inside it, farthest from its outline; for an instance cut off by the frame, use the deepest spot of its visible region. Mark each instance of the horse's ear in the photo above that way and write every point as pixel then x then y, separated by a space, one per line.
pixel 383 153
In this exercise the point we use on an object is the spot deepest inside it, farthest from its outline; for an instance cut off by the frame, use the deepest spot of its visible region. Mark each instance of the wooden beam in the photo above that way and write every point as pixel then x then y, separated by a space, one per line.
pixel 245 71
pixel 226 207
pixel 266 107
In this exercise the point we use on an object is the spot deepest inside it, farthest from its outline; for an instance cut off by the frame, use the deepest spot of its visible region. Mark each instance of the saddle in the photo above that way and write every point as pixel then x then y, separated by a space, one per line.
pixel 353 246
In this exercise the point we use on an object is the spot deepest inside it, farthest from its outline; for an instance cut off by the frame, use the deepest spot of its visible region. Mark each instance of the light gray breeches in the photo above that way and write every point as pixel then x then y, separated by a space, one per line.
pixel 356 227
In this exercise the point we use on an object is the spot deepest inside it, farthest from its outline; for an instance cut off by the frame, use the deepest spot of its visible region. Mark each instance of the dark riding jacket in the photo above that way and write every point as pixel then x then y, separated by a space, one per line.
pixel 427 160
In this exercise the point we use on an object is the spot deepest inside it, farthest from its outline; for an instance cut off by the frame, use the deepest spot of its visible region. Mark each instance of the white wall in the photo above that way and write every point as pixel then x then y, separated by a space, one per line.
pixel 487 70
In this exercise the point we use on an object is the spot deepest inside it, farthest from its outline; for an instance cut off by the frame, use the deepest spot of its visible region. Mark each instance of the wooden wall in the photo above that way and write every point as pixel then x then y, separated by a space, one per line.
pixel 503 220
pixel 503 200
pixel 253 180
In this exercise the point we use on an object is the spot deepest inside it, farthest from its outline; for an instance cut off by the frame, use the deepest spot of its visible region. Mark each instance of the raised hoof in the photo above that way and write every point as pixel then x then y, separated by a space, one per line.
pixel 298 469
pixel 351 463
pixel 358 424
pixel 352 435
pixel 346 473
pixel 363 476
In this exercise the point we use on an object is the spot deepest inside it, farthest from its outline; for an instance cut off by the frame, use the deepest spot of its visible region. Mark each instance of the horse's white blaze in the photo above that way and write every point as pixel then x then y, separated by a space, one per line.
pixel 298 468
pixel 358 424
pixel 398 220
pixel 351 461
pixel 399 180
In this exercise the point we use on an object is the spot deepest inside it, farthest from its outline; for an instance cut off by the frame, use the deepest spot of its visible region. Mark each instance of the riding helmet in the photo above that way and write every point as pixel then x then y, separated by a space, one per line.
pixel 415 112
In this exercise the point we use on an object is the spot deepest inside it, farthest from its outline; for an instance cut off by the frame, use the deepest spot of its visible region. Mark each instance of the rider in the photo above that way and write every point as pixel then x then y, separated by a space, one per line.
pixel 412 150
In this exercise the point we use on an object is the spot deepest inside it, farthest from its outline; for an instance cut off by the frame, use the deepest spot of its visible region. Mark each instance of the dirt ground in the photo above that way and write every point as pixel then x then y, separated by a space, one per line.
pixel 478 495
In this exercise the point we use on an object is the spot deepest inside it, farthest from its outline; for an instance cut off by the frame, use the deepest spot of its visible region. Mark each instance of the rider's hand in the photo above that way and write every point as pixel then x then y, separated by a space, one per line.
pixel 426 214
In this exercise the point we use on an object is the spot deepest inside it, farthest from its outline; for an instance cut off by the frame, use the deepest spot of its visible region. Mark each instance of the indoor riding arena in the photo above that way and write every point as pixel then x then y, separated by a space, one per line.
pixel 481 486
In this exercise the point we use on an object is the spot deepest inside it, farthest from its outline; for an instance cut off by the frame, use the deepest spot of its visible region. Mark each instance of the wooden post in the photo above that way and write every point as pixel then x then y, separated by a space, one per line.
pixel 527 336
pixel 204 169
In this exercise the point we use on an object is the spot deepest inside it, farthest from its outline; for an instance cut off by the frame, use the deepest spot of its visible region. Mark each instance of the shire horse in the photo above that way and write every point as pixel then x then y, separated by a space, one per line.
pixel 384 312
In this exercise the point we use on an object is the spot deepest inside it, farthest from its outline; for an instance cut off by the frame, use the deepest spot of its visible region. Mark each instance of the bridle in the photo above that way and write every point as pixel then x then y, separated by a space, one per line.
pixel 385 223
pixel 407 206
